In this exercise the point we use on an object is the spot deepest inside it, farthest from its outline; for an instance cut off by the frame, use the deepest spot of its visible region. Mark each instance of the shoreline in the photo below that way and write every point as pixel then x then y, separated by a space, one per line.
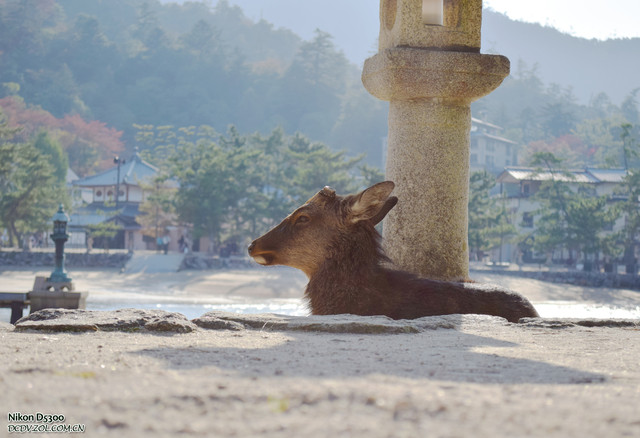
pixel 280 289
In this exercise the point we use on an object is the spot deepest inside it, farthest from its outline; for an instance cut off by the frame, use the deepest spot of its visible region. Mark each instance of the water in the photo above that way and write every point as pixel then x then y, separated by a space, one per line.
pixel 571 309
pixel 194 310
pixel 295 307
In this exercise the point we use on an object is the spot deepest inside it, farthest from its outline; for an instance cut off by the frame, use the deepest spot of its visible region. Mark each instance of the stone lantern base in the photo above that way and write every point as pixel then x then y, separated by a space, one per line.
pixel 54 295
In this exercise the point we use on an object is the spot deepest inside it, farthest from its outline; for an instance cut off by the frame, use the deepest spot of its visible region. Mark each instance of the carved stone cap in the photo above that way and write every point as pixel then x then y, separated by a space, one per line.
pixel 413 74
pixel 401 25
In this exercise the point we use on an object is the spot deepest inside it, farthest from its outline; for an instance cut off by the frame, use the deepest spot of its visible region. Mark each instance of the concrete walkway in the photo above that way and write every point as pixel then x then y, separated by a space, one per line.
pixel 152 262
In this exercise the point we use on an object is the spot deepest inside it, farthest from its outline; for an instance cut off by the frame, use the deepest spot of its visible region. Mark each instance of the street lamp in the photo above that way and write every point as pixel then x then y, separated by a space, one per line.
pixel 59 236
pixel 117 160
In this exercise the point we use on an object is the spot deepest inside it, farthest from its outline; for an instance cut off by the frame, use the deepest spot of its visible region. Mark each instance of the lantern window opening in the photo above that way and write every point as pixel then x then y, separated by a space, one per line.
pixel 433 12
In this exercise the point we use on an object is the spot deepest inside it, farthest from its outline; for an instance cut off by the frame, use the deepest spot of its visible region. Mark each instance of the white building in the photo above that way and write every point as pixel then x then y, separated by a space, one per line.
pixel 489 151
pixel 519 184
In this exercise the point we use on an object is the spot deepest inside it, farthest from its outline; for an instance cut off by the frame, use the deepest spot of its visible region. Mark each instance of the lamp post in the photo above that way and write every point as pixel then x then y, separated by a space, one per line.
pixel 117 160
pixel 59 236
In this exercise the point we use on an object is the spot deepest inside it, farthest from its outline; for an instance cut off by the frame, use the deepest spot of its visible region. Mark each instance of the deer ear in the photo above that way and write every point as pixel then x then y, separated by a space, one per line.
pixel 373 203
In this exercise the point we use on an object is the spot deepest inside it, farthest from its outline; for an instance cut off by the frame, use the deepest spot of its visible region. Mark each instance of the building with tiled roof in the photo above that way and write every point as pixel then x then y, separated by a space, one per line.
pixel 518 185
pixel 128 178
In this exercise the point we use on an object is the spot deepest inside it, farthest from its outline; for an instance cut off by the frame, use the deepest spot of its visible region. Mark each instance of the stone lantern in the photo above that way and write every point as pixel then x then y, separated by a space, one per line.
pixel 59 237
pixel 429 67
pixel 57 291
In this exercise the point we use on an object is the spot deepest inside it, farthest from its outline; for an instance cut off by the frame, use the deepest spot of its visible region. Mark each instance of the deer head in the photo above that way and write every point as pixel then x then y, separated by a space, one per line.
pixel 314 232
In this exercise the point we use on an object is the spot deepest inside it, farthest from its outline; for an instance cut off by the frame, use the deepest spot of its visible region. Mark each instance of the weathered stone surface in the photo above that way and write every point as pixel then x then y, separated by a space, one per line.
pixel 407 73
pixel 213 322
pixel 72 259
pixel 573 322
pixel 338 323
pixel 6 327
pixel 118 320
pixel 401 25
pixel 201 261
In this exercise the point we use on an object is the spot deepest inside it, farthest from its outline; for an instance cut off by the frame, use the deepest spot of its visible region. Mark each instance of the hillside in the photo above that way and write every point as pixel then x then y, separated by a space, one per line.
pixel 588 66
pixel 128 65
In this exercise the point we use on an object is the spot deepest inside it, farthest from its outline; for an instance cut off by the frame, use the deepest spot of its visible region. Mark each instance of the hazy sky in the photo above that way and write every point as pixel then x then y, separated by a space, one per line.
pixel 599 19
pixel 583 18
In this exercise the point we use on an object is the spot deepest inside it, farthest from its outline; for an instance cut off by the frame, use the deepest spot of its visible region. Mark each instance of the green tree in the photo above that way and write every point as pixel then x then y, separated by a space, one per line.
pixel 52 149
pixel 214 179
pixel 103 232
pixel 30 189
pixel 157 211
pixel 490 224
pixel 629 237
pixel 312 87
pixel 370 175
pixel 569 218
pixel 312 166
pixel 241 185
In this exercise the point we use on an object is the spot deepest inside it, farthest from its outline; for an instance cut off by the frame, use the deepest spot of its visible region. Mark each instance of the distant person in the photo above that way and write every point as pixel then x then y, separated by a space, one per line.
pixel 166 239
pixel 159 243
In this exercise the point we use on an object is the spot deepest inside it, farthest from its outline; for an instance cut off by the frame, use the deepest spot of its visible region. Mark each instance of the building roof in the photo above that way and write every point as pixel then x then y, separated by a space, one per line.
pixel 96 213
pixel 132 172
pixel 588 175
pixel 483 123
pixel 493 137
pixel 70 176
pixel 608 175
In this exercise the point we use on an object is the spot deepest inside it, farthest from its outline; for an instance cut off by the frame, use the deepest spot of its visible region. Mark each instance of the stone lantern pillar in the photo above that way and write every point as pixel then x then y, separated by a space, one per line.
pixel 57 290
pixel 430 69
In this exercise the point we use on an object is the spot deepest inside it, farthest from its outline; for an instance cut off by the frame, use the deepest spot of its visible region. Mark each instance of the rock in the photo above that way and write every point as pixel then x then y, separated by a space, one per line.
pixel 545 323
pixel 6 327
pixel 64 320
pixel 336 323
pixel 214 323
pixel 72 259
pixel 572 322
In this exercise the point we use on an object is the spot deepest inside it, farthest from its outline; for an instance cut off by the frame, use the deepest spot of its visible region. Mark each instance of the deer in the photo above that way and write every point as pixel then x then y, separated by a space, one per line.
pixel 333 240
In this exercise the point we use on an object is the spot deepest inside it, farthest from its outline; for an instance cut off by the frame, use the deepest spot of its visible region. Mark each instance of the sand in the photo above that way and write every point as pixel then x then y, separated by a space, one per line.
pixel 482 378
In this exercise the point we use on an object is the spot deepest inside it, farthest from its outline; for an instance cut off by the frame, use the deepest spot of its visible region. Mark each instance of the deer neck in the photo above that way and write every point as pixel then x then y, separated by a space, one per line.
pixel 353 261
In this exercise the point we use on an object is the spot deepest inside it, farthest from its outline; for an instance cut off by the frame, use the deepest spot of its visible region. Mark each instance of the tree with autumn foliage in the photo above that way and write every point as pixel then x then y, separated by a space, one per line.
pixel 89 145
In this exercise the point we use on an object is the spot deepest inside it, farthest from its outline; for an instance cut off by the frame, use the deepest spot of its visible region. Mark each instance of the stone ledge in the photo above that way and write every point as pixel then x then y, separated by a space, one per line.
pixel 576 322
pixel 127 320
pixel 338 323
pixel 72 259
pixel 160 321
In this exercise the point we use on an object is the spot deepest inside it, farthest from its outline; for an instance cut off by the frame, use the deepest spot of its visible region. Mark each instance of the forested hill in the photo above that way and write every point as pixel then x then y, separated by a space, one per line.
pixel 94 73
pixel 139 62
pixel 590 67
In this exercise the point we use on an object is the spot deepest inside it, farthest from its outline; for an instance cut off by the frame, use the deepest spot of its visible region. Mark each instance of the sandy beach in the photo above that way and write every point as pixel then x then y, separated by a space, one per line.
pixel 461 376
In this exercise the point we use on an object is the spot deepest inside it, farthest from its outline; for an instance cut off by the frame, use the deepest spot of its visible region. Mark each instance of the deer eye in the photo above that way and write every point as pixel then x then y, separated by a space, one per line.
pixel 302 219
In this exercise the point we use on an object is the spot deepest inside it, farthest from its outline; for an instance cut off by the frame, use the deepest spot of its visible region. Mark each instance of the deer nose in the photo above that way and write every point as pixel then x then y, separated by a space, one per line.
pixel 251 246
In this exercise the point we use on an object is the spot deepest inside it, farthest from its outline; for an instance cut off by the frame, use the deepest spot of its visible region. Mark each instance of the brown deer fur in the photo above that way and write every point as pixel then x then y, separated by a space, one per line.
pixel 332 239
